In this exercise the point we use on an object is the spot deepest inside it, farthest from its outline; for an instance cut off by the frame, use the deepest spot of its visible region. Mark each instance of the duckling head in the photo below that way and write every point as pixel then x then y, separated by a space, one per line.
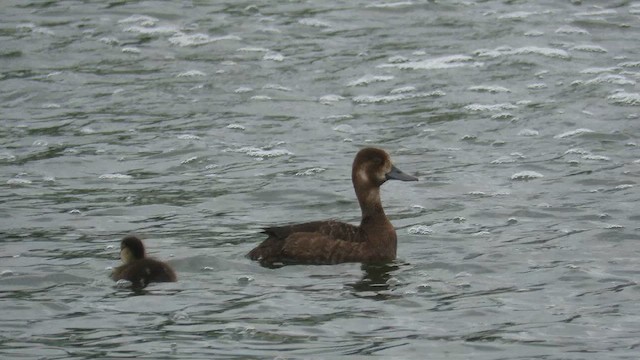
pixel 131 248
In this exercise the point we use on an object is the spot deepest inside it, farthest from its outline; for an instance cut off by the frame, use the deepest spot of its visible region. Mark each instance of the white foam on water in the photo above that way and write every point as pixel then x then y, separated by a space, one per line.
pixel 330 99
pixel 392 5
pixel 494 107
pixel 537 86
pixel 623 186
pixel 270 30
pixel 517 15
pixel 314 23
pixel 7 156
pixel 146 30
pixel 339 117
pixel 261 98
pixel 578 151
pixel 402 90
pixel 236 127
pixel 273 56
pixel 261 153
pixel 277 87
pixel 596 13
pixel 18 182
pixel 310 172
pixel 596 157
pixel 534 33
pixel 191 73
pixel 109 40
pixel 572 133
pixel 188 160
pixel 625 98
pixel 253 49
pixel 344 128
pixel 183 40
pixel 115 176
pixel 489 88
pixel 143 19
pixel 368 79
pixel 123 284
pixel 589 48
pixel 566 29
pixel 528 132
pixel 630 64
pixel 31 27
pixel 420 230
pixel 397 59
pixel 373 99
pixel 527 50
pixel 526 175
pixel 188 137
pixel 445 62
pixel 598 70
pixel 478 234
pixel 242 90
pixel 502 116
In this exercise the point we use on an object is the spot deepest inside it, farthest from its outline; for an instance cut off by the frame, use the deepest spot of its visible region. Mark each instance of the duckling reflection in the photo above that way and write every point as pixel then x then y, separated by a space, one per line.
pixel 139 269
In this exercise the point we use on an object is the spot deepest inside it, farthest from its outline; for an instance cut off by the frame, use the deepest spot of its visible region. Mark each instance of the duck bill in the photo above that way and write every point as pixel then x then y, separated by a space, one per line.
pixel 397 174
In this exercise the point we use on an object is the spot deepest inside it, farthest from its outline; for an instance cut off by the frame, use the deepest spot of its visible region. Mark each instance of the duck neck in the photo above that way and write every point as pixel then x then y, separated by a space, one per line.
pixel 371 206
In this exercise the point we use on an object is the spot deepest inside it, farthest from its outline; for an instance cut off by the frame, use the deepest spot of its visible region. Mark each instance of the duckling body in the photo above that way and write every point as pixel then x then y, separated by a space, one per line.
pixel 139 269
pixel 333 242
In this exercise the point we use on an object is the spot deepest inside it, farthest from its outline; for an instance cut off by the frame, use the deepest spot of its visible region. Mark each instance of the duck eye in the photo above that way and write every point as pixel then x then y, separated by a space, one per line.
pixel 377 161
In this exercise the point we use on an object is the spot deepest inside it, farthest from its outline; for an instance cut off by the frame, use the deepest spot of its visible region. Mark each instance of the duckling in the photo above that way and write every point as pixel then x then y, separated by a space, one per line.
pixel 138 268
pixel 332 242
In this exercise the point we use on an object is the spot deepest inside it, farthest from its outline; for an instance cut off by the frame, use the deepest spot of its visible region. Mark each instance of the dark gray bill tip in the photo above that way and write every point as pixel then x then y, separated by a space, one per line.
pixel 397 174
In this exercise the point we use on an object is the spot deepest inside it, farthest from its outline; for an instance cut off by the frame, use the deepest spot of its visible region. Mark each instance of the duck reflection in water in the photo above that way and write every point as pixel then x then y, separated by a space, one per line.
pixel 374 241
pixel 375 282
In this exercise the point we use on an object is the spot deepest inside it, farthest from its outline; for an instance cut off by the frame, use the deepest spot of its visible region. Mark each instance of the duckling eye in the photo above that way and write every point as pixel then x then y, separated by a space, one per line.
pixel 377 161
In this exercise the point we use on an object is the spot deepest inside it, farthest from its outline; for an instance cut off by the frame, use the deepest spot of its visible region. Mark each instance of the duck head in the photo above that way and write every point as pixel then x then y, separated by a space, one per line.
pixel 131 248
pixel 372 167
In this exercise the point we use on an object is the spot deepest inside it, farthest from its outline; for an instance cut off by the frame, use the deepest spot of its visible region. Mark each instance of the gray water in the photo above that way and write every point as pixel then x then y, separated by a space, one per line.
pixel 195 123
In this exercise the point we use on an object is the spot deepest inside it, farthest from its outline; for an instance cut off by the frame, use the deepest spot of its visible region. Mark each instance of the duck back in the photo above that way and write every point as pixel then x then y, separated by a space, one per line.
pixel 332 242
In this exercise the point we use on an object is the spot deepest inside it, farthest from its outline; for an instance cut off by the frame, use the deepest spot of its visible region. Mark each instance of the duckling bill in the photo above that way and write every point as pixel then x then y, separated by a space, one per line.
pixel 333 242
pixel 139 269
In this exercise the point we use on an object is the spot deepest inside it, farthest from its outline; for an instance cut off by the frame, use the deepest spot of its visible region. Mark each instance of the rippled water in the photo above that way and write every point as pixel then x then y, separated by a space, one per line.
pixel 194 124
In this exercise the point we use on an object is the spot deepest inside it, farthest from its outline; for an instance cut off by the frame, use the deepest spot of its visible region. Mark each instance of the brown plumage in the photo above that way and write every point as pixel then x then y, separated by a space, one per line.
pixel 138 268
pixel 332 242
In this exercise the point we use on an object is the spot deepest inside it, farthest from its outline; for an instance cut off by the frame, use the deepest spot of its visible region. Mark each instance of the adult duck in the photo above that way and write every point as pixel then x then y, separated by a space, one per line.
pixel 333 242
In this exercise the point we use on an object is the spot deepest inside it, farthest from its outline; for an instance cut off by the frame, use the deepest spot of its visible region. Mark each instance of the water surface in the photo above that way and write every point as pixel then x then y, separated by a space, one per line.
pixel 195 123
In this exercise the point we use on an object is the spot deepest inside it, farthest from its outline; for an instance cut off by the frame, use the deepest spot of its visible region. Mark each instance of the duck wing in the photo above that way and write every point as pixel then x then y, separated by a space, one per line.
pixel 272 250
pixel 331 228
pixel 319 249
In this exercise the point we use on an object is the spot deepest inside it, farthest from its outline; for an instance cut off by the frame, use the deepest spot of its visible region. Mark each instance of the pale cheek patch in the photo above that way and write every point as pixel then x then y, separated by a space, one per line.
pixel 362 175
pixel 125 255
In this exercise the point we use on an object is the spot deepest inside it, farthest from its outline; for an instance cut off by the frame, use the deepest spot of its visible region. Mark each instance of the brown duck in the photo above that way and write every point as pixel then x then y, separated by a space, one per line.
pixel 138 268
pixel 332 242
